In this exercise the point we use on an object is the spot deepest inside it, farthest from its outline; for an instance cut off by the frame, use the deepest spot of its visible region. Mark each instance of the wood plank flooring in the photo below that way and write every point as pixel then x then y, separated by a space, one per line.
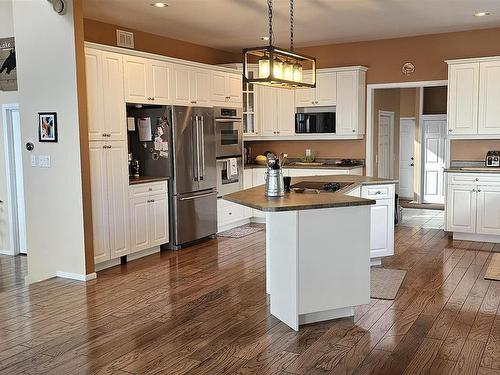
pixel 204 310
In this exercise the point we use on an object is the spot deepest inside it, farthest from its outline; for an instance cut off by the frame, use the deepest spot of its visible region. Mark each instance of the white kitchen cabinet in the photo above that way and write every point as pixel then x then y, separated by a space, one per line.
pixel 147 81
pixel 106 106
pixel 200 87
pixel 489 98
pixel 259 178
pixel 324 94
pixel 382 219
pixel 181 76
pixel 229 215
pixel 488 210
pixel 149 226
pixel 461 204
pixel 275 111
pixel 226 89
pixel 109 181
pixel 463 97
pixel 350 110
pixel 247 184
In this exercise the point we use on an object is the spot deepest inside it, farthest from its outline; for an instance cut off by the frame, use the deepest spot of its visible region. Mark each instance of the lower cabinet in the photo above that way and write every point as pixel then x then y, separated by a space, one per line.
pixel 461 208
pixel 230 215
pixel 488 210
pixel 149 225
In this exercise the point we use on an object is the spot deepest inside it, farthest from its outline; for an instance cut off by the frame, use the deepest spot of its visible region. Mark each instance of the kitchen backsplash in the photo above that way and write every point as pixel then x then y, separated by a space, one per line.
pixel 354 149
pixel 473 150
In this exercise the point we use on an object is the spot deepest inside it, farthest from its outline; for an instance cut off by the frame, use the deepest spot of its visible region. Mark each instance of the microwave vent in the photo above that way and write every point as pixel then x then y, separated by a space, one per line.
pixel 124 39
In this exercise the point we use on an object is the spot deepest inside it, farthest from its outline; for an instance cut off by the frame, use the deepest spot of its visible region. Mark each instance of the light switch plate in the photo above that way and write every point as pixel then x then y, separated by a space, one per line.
pixel 44 161
pixel 34 161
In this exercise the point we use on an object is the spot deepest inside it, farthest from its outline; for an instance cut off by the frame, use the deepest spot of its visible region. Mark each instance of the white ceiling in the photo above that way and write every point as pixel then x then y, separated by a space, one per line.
pixel 235 24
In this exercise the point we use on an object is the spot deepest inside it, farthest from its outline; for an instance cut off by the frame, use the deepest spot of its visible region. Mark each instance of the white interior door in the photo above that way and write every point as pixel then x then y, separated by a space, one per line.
pixel 434 151
pixel 385 125
pixel 406 157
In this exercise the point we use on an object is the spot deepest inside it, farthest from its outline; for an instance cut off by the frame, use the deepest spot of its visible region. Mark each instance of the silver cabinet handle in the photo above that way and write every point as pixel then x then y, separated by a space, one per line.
pixel 202 146
pixel 478 190
pixel 477 179
pixel 197 122
pixel 473 190
pixel 450 130
pixel 354 130
pixel 198 196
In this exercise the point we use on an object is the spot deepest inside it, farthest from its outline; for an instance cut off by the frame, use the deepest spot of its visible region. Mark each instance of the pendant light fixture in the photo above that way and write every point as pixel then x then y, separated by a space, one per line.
pixel 280 67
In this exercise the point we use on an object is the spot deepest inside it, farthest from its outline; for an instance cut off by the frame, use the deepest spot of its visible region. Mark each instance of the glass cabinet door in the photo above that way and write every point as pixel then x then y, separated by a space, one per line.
pixel 249 106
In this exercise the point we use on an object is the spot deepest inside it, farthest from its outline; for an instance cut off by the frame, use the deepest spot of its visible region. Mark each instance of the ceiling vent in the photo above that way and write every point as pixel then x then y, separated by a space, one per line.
pixel 124 39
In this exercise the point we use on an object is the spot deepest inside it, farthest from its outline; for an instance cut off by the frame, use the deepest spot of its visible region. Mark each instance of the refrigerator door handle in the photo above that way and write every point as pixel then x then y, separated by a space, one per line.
pixel 202 146
pixel 195 149
pixel 198 196
pixel 200 176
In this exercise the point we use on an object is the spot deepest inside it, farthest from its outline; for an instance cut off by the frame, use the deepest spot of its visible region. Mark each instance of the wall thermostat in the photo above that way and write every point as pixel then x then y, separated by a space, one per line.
pixel 59 6
pixel 30 146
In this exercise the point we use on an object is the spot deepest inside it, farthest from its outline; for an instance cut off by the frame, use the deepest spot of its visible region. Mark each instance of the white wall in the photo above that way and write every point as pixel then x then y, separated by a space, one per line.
pixel 45 49
pixel 6 97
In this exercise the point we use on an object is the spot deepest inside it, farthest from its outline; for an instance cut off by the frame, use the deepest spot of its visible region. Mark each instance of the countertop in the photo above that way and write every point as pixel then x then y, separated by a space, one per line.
pixel 323 166
pixel 145 180
pixel 473 170
pixel 255 197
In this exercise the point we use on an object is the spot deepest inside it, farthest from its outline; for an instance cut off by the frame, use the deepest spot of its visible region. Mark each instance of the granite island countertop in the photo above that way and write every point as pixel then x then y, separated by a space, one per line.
pixel 292 201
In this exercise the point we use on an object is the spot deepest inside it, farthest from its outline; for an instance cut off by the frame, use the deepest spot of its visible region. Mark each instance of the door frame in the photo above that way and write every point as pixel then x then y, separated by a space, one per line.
pixel 370 89
pixel 421 136
pixel 414 119
pixel 391 140
pixel 12 193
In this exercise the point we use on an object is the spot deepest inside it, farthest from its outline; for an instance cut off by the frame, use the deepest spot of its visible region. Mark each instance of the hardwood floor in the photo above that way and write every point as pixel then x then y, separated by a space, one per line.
pixel 204 310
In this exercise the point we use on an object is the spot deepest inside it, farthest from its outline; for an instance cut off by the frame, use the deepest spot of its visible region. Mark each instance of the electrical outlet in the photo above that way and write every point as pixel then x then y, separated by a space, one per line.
pixel 34 161
pixel 44 161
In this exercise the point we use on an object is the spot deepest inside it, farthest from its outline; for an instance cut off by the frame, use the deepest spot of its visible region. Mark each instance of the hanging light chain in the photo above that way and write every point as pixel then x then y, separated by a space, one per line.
pixel 291 25
pixel 270 8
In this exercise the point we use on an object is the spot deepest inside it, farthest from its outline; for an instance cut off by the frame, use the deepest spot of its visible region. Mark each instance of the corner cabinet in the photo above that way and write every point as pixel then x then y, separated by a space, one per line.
pixel 473 97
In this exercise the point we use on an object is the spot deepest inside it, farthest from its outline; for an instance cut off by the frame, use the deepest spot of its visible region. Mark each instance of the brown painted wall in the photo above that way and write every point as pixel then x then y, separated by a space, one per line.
pixel 407 98
pixel 105 33
pixel 472 150
pixel 435 100
pixel 84 141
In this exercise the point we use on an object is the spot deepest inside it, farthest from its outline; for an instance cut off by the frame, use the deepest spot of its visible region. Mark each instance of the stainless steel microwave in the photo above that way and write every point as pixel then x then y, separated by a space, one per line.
pixel 320 122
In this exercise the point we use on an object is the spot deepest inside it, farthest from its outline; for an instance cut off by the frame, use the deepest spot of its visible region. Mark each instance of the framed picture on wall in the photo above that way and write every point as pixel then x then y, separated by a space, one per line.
pixel 47 126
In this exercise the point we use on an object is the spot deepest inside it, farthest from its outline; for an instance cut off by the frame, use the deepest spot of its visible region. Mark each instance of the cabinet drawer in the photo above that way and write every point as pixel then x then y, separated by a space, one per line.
pixel 471 178
pixel 378 191
pixel 228 212
pixel 142 190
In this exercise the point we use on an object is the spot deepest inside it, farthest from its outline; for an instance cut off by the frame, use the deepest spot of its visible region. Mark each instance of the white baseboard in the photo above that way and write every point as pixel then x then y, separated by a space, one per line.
pixel 76 276
pixel 261 220
pixel 132 256
pixel 476 237
pixel 375 262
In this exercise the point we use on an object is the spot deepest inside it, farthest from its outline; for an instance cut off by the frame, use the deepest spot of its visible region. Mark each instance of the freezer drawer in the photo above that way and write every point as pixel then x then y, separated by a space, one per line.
pixel 195 216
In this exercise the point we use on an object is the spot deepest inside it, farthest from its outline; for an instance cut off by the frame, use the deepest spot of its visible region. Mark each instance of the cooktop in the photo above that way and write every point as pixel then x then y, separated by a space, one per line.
pixel 320 186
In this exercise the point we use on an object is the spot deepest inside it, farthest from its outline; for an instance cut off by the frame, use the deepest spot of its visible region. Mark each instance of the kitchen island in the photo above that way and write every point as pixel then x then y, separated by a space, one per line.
pixel 317 248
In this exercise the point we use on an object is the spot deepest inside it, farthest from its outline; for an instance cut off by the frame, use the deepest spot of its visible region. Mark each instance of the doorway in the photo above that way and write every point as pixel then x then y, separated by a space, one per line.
pixel 385 144
pixel 15 184
pixel 406 157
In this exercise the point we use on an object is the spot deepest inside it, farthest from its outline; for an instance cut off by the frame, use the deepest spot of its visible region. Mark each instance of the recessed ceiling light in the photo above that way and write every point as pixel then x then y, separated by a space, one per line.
pixel 264 38
pixel 482 14
pixel 160 5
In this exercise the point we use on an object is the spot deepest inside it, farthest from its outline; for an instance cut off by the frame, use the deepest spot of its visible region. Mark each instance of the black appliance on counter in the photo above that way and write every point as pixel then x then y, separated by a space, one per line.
pixel 319 122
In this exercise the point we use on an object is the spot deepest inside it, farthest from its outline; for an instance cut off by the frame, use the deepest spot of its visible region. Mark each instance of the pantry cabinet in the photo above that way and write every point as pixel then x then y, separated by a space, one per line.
pixel 147 81
pixel 473 97
pixel 149 226
pixel 105 109
pixel 109 182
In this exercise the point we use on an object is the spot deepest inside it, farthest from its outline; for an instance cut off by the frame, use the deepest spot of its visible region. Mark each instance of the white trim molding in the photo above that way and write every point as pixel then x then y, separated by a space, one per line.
pixel 369 163
pixel 76 276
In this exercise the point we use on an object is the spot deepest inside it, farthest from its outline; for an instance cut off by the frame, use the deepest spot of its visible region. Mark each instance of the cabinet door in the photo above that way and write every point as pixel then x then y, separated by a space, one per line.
pixel 488 210
pixel 305 97
pixel 159 81
pixel 463 87
pixel 200 87
pixel 95 110
pixel 181 75
pixel 139 224
pixel 489 98
pixel 98 185
pixel 326 89
pixel 218 88
pixel 113 97
pixel 117 184
pixel 461 208
pixel 259 178
pixel 347 103
pixel 136 79
pixel 285 109
pixel 158 214
pixel 233 88
pixel 382 228
pixel 267 110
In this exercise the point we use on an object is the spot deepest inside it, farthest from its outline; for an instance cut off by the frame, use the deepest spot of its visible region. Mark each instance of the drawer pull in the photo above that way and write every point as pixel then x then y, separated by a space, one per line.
pixel 378 192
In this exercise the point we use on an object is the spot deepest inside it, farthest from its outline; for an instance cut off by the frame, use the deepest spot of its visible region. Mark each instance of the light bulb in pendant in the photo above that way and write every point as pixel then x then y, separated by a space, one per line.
pixel 297 73
pixel 264 67
pixel 277 69
pixel 288 71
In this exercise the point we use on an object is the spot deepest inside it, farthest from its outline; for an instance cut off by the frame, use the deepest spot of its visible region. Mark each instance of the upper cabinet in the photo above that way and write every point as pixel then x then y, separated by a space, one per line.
pixel 275 111
pixel 473 97
pixel 350 110
pixel 106 109
pixel 324 94
pixel 147 81
pixel 226 89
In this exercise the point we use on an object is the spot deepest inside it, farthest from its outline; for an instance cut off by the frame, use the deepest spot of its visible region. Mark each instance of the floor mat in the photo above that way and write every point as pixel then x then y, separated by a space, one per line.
pixel 493 271
pixel 242 231
pixel 385 282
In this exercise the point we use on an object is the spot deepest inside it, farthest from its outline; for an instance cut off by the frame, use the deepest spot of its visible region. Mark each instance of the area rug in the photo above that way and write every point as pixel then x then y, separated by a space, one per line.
pixel 405 203
pixel 242 231
pixel 385 282
pixel 493 271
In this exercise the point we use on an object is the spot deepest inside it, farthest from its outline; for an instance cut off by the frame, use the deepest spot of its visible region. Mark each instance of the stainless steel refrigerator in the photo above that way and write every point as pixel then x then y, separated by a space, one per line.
pixel 193 193
pixel 189 162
